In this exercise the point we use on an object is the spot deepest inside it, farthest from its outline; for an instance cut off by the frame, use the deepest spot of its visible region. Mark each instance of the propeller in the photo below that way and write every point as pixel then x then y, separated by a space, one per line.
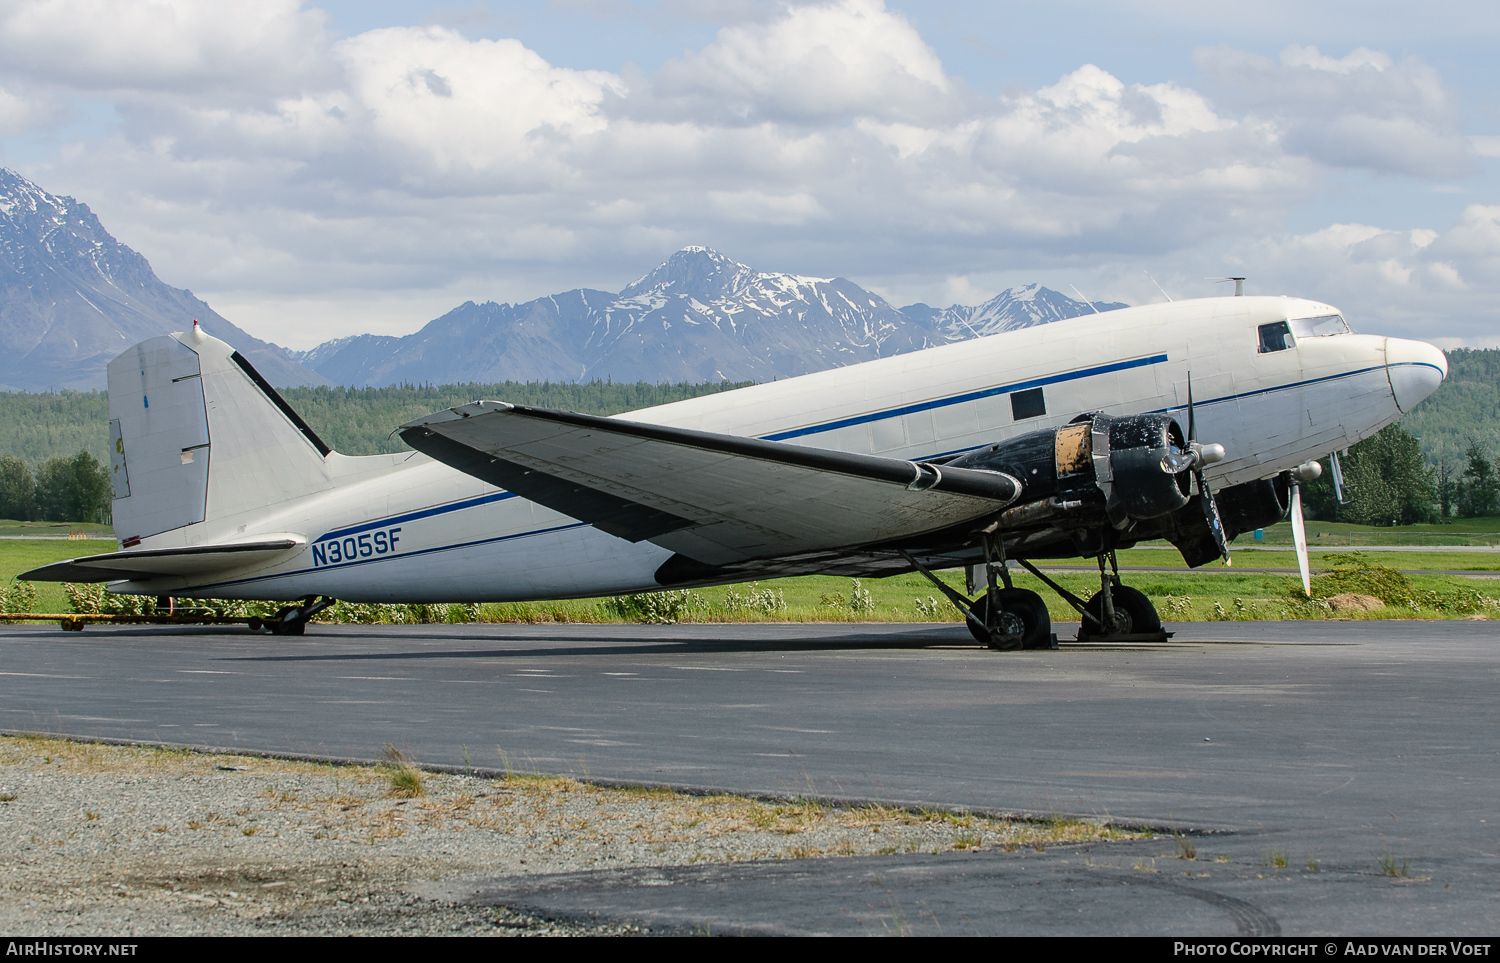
pixel 1194 460
pixel 1306 471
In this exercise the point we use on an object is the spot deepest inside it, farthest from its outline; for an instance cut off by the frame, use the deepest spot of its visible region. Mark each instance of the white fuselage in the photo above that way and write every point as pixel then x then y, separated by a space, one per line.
pixel 405 528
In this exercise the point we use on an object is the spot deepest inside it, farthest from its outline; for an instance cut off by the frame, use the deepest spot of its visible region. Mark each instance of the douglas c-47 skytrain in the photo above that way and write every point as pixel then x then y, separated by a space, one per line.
pixel 1190 421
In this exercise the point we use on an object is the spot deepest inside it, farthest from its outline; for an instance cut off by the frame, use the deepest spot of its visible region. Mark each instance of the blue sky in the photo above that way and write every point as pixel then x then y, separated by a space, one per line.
pixel 321 170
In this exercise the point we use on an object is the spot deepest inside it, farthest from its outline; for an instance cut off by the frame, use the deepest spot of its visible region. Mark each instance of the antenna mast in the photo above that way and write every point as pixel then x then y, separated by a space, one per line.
pixel 1239 285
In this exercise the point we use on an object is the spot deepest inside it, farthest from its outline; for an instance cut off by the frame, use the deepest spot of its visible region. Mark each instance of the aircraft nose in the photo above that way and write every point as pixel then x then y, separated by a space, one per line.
pixel 1415 369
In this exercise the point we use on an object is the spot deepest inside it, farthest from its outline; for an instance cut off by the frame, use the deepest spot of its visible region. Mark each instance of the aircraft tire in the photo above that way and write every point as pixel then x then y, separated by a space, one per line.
pixel 1025 605
pixel 1133 603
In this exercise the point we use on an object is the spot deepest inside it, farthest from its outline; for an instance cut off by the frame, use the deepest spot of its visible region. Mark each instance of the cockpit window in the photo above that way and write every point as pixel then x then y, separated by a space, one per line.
pixel 1275 337
pixel 1320 327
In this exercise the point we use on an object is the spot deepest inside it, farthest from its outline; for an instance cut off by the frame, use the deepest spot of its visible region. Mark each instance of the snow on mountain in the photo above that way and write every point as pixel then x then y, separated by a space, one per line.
pixel 1010 310
pixel 699 316
pixel 72 297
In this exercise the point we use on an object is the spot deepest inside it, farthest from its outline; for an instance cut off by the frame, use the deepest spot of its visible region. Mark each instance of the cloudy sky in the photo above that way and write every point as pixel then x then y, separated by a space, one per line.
pixel 321 170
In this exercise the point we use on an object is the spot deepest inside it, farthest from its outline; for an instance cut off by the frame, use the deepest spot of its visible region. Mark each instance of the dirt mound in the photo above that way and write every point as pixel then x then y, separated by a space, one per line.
pixel 1354 602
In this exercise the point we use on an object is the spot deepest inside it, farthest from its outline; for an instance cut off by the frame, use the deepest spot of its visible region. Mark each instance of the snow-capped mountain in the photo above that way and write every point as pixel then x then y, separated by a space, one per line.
pixel 72 297
pixel 700 316
pixel 1007 311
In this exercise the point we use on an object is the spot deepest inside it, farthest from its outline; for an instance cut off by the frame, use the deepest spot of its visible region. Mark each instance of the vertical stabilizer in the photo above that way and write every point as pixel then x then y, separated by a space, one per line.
pixel 202 444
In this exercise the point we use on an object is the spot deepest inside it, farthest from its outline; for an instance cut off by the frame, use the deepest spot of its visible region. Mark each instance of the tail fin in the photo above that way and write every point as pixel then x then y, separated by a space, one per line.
pixel 200 442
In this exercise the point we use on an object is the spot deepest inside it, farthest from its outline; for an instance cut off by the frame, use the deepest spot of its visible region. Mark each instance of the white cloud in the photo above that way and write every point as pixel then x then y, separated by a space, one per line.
pixel 183 46
pixel 1414 283
pixel 264 164
pixel 813 62
pixel 1362 110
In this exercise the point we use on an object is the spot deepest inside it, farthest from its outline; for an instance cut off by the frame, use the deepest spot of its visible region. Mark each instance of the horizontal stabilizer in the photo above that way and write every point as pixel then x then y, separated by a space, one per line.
pixel 153 563
pixel 715 498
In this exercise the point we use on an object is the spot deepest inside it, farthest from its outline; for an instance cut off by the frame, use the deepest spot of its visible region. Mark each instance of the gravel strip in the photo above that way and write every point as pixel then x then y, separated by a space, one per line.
pixel 120 840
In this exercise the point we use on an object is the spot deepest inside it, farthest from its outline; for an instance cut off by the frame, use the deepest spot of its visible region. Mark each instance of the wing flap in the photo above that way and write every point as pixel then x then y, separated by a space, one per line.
pixel 153 563
pixel 716 498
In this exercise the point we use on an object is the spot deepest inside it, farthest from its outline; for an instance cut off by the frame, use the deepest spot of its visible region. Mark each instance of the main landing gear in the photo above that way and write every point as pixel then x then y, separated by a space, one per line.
pixel 1116 613
pixel 1011 618
pixel 1002 618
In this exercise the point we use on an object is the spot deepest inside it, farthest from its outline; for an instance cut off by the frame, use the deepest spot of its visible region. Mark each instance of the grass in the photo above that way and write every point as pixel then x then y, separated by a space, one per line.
pixel 1212 593
pixel 1394 867
pixel 19 555
pixel 1453 531
pixel 1167 557
pixel 404 778
pixel 9 526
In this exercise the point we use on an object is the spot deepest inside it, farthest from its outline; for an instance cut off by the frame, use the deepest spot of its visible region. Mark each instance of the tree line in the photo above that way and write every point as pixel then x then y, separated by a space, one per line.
pixel 71 489
pixel 55 462
pixel 40 483
pixel 1388 482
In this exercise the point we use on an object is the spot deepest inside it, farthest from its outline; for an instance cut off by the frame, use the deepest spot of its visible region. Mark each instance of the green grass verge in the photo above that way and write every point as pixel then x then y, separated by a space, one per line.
pixel 20 555
pixel 10 526
pixel 1185 596
pixel 1455 531
pixel 1318 557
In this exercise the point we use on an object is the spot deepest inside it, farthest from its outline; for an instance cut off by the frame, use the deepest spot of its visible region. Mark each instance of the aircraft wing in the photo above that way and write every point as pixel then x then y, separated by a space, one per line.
pixel 151 563
pixel 716 498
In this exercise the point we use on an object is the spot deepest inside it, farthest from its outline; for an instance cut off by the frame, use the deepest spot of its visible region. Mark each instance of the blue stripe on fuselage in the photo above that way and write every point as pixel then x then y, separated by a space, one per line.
pixel 966 397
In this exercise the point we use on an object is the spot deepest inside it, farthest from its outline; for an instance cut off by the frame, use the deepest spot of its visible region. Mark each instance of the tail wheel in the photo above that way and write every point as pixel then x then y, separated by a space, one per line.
pixel 1026 608
pixel 1134 614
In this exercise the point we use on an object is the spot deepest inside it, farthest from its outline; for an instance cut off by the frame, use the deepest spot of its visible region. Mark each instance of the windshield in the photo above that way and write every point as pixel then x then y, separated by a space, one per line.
pixel 1319 327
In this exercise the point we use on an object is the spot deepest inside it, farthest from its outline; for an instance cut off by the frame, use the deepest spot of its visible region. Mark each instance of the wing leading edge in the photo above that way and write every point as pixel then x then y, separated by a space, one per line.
pixel 716 498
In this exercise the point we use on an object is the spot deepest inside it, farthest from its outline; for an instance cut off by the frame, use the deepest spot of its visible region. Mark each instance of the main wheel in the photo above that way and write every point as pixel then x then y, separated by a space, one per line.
pixel 1134 614
pixel 1026 607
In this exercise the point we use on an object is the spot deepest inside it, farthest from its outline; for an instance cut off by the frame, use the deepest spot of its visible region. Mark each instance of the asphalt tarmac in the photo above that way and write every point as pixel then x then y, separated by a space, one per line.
pixel 1330 778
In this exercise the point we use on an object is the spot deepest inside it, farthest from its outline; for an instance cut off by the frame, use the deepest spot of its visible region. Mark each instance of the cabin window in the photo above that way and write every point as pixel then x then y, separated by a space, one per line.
pixel 1275 337
pixel 1320 327
pixel 1027 404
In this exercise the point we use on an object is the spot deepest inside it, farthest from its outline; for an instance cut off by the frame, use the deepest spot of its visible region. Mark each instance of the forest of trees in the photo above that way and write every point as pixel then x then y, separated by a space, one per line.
pixel 56 465
pixel 75 489
pixel 1437 462
pixel 1387 481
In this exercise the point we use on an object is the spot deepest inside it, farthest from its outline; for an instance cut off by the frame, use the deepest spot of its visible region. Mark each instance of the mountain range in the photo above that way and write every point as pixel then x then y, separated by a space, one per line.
pixel 72 297
pixel 700 316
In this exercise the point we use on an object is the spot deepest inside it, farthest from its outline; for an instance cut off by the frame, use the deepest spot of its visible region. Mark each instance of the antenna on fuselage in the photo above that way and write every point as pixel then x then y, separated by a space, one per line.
pixel 1158 286
pixel 1239 285
pixel 1085 298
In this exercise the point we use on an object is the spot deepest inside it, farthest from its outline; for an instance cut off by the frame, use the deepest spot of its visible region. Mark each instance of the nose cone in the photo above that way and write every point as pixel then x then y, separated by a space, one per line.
pixel 1415 368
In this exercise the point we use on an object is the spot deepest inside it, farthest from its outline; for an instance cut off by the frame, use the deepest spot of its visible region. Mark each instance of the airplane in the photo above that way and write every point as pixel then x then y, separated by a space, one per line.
pixel 1191 421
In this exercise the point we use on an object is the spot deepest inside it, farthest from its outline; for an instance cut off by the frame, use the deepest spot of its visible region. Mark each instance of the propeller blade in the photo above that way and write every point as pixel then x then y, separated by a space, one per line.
pixel 1299 539
pixel 1192 421
pixel 1211 515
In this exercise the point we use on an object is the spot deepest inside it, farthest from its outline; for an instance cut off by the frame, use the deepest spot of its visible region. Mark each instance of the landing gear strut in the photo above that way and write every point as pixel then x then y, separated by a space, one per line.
pixel 1116 613
pixel 292 619
pixel 1002 618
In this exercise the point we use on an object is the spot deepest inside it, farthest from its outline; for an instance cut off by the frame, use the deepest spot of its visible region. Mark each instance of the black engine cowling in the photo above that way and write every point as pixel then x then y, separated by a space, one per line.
pixel 1140 486
pixel 1095 461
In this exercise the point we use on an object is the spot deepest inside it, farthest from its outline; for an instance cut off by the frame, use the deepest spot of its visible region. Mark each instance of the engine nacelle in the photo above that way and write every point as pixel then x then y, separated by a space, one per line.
pixel 1094 462
pixel 1256 504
